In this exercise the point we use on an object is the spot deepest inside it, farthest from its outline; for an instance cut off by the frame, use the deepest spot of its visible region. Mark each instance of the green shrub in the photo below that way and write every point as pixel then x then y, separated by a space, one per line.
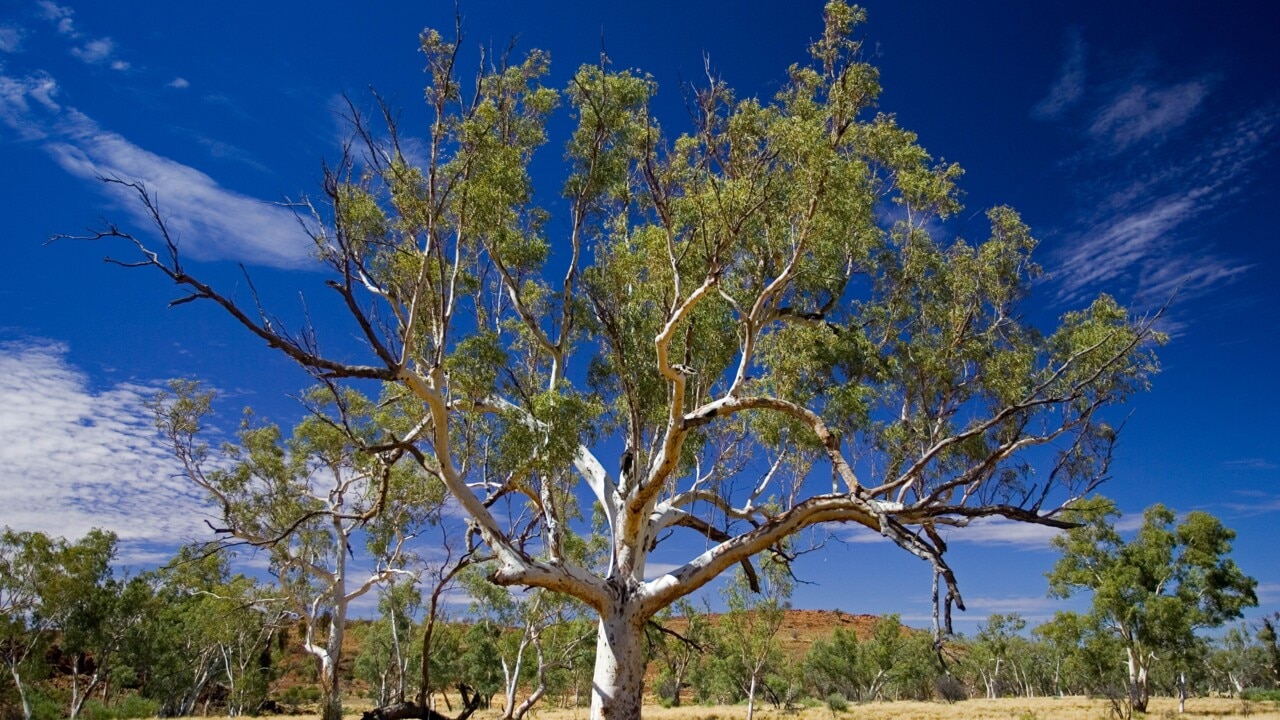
pixel 136 706
pixel 1262 694
pixel 837 703
pixel 300 695
pixel 44 707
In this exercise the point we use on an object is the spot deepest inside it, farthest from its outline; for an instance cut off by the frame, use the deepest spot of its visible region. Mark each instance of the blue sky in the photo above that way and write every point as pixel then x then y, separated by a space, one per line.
pixel 1137 140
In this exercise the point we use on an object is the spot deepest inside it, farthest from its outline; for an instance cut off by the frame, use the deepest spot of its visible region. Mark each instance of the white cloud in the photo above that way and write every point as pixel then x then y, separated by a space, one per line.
pixel 1068 88
pixel 1139 238
pixel 211 222
pixel 1002 531
pixel 1252 464
pixel 15 110
pixel 1260 504
pixel 78 457
pixel 95 51
pixel 179 83
pixel 1143 112
pixel 120 65
pixel 59 15
pixel 1268 593
pixel 10 39
pixel 1029 606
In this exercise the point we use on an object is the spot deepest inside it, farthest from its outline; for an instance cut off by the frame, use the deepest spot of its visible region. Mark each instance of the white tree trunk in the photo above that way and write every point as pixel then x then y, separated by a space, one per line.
pixel 1137 667
pixel 617 687
pixel 22 693
pixel 751 698
pixel 1182 692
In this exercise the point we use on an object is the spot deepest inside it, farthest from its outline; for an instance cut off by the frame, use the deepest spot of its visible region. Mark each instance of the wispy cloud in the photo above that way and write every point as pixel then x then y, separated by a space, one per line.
pixel 1146 112
pixel 10 39
pixel 1069 86
pixel 60 16
pixel 226 151
pixel 78 457
pixel 1268 593
pixel 211 221
pixel 1030 607
pixel 16 97
pixel 94 51
pixel 1138 240
pixel 1260 504
pixel 1001 531
pixel 982 531
pixel 1252 464
pixel 179 83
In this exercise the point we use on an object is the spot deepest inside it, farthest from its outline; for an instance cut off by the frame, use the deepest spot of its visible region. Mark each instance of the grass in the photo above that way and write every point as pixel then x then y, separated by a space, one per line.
pixel 1068 708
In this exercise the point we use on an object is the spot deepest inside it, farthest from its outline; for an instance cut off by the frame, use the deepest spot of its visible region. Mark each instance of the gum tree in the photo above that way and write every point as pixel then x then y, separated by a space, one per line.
pixel 731 334
pixel 307 500
pixel 1152 593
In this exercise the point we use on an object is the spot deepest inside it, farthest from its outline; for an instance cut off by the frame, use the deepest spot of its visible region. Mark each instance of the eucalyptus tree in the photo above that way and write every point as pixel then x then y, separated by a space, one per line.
pixel 679 653
pixel 832 665
pixel 307 501
pixel 1152 593
pixel 88 609
pixel 991 652
pixel 389 654
pixel 27 561
pixel 746 634
pixel 529 646
pixel 735 333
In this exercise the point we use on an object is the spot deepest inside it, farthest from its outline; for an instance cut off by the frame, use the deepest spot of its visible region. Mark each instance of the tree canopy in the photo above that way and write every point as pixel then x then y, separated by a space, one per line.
pixel 733 333
pixel 1151 593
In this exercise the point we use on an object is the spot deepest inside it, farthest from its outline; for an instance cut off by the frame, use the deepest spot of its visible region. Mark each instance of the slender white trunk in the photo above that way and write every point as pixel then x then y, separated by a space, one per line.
pixel 1182 692
pixel 618 683
pixel 22 693
pixel 751 698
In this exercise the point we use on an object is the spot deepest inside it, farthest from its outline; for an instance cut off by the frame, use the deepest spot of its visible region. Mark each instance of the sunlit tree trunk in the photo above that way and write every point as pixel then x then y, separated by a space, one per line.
pixel 617 687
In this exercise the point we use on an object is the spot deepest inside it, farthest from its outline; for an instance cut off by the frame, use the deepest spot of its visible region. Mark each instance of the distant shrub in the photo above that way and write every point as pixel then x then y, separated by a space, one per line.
pixel 837 703
pixel 44 707
pixel 136 706
pixel 1261 694
pixel 300 695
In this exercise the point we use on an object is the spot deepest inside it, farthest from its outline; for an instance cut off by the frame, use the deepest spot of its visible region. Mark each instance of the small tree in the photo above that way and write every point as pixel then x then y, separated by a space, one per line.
pixel 678 653
pixel 833 666
pixel 307 501
pixel 1267 636
pixel 991 651
pixel 746 635
pixel 27 562
pixel 1154 592
pixel 390 655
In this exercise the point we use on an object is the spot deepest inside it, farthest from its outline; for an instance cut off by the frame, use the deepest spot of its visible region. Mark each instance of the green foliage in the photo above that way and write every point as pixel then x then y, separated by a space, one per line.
pixel 1155 591
pixel 769 289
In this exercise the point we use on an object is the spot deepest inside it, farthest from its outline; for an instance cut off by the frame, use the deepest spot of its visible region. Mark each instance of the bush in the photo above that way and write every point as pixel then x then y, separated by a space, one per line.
pixel 837 703
pixel 950 689
pixel 44 707
pixel 1256 694
pixel 136 706
pixel 300 695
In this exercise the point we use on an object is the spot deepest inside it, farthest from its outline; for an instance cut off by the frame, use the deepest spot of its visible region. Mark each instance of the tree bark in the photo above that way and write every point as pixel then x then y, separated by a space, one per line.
pixel 1137 680
pixel 22 693
pixel 617 686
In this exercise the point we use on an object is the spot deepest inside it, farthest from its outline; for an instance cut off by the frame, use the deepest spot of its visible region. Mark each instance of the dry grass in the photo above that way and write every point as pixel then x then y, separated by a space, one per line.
pixel 1069 708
